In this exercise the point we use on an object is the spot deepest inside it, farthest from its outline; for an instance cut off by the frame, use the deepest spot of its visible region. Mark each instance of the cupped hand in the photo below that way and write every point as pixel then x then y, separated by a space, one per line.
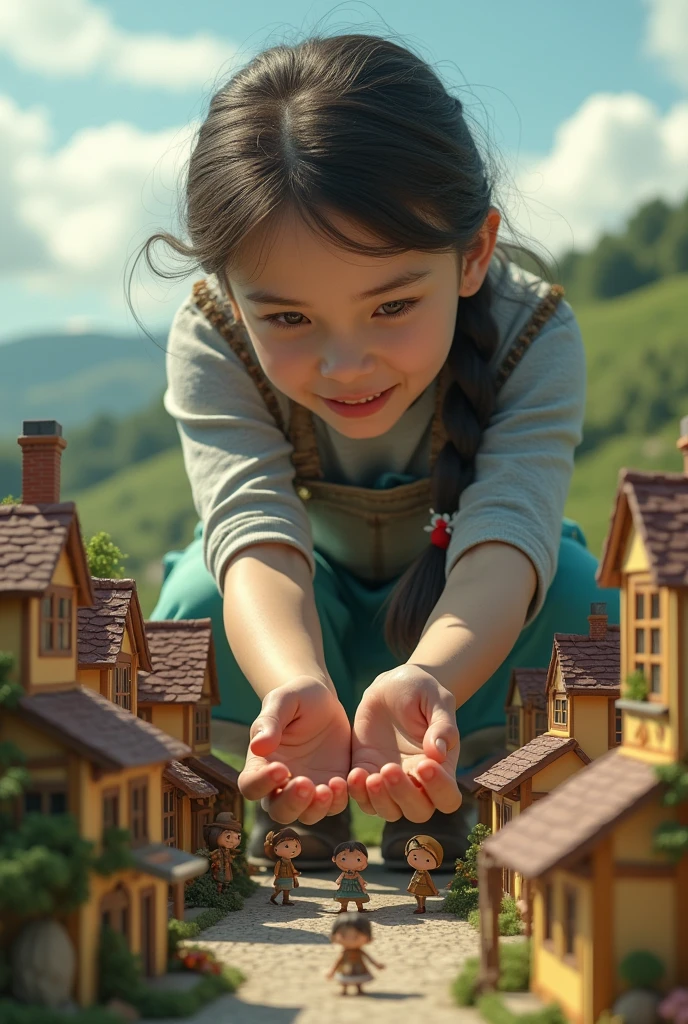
pixel 299 753
pixel 405 747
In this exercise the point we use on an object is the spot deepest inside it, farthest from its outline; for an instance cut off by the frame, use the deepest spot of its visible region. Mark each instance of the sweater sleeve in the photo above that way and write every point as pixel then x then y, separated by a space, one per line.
pixel 525 460
pixel 236 457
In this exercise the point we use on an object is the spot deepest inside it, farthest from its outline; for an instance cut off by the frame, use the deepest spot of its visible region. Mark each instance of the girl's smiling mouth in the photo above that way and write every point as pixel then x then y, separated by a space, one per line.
pixel 364 405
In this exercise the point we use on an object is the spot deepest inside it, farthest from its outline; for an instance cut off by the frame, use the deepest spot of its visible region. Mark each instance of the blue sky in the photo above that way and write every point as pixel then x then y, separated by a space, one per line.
pixel 586 103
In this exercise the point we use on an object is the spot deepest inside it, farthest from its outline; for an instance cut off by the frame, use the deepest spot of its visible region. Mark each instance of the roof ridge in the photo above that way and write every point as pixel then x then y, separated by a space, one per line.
pixel 205 623
pixel 109 583
pixel 43 509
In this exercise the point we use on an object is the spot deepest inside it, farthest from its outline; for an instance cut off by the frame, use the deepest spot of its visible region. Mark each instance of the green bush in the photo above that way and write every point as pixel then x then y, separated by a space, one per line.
pixel 492 1008
pixel 180 931
pixel 116 852
pixel 514 973
pixel 120 978
pixel 104 556
pixel 44 866
pixel 641 969
pixel 12 1012
pixel 636 687
pixel 203 893
pixel 510 920
pixel 462 902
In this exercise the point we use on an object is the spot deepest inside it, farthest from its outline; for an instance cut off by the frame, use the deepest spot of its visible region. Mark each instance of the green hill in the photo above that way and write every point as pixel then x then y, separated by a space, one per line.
pixel 72 378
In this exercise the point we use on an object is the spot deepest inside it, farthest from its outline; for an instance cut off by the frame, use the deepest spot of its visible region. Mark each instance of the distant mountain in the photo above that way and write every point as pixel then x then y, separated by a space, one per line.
pixel 72 378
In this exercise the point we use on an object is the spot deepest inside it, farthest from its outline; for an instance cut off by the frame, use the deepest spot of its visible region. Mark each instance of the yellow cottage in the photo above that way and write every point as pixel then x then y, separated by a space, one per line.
pixel 86 754
pixel 600 889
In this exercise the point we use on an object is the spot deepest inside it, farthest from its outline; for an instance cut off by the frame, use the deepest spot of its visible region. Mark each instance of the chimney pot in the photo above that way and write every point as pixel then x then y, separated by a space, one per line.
pixel 597 620
pixel 42 445
pixel 682 443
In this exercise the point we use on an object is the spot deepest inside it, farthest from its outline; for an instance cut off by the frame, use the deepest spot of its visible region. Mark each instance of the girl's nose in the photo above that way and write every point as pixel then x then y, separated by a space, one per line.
pixel 345 363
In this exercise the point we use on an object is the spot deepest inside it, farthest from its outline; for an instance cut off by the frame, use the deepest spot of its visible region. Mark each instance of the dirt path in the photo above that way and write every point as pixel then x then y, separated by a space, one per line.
pixel 285 952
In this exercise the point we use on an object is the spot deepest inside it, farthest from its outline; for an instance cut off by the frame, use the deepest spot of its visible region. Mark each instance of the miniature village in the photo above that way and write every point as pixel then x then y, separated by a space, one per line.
pixel 116 818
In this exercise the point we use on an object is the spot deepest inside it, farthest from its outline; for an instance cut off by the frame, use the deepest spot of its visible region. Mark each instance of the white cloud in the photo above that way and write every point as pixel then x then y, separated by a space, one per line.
pixel 74 38
pixel 614 153
pixel 667 37
pixel 76 214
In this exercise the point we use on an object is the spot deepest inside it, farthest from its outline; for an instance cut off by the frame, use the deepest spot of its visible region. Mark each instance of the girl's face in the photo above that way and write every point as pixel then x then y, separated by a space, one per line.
pixel 421 860
pixel 329 325
pixel 229 839
pixel 288 848
pixel 350 938
pixel 351 860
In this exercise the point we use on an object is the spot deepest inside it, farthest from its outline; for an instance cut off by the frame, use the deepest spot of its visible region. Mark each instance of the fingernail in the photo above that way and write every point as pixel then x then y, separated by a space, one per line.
pixel 427 772
pixel 441 746
pixel 303 790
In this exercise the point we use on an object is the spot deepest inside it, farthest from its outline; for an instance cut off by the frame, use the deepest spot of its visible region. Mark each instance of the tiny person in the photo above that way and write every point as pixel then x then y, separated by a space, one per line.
pixel 424 854
pixel 351 858
pixel 352 932
pixel 223 838
pixel 285 845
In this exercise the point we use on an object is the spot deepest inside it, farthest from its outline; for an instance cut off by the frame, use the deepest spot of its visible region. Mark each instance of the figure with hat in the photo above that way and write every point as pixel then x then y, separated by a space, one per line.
pixel 424 854
pixel 284 845
pixel 222 837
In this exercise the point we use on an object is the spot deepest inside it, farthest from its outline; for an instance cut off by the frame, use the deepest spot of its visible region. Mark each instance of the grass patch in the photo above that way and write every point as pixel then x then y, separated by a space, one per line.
pixel 510 920
pixel 12 1012
pixel 492 1008
pixel 514 974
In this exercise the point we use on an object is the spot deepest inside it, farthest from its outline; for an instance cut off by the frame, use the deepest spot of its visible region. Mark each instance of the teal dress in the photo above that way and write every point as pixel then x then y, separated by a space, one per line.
pixel 350 888
pixel 351 615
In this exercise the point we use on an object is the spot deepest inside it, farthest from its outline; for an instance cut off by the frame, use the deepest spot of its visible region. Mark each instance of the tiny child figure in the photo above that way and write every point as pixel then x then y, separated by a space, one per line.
pixel 222 837
pixel 424 854
pixel 285 845
pixel 352 932
pixel 351 858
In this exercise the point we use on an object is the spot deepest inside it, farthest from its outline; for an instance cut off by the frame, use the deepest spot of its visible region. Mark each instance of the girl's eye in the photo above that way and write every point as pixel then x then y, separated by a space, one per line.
pixel 274 318
pixel 405 304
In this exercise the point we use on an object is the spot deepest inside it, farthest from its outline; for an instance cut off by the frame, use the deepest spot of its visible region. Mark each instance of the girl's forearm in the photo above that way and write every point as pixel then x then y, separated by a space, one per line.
pixel 478 618
pixel 270 617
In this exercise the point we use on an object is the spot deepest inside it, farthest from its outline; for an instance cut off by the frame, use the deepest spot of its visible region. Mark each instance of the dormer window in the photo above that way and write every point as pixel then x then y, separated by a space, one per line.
pixel 56 621
pixel 121 691
pixel 561 711
pixel 646 636
pixel 513 731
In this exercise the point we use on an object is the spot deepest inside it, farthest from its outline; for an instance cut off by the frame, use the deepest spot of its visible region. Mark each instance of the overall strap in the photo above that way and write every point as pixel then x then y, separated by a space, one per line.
pixel 525 339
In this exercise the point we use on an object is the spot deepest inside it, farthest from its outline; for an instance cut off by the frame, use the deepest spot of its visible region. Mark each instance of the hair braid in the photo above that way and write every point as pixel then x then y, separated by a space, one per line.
pixel 468 405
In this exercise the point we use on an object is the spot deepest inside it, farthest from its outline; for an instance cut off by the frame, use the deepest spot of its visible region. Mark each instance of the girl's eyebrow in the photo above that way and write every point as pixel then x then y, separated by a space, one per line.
pixel 410 277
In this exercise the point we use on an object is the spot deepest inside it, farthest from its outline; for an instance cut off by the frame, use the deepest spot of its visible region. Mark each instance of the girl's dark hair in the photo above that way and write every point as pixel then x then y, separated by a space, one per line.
pixel 351 846
pixel 361 126
pixel 273 839
pixel 211 834
pixel 357 921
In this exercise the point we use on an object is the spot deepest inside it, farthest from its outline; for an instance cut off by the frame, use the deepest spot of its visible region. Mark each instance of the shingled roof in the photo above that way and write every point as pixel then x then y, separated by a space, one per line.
pixel 466 778
pixel 100 730
pixel 103 625
pixel 219 771
pixel 32 538
pixel 567 824
pixel 181 776
pixel 531 683
pixel 181 650
pixel 525 762
pixel 656 504
pixel 589 664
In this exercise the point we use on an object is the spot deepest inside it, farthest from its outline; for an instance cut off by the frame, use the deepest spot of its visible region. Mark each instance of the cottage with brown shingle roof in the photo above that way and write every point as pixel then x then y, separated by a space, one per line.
pixel 85 755
pixel 598 884
pixel 177 695
pixel 112 645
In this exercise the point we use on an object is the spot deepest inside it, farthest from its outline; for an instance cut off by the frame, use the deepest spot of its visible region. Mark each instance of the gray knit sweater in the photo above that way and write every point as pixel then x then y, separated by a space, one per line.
pixel 238 464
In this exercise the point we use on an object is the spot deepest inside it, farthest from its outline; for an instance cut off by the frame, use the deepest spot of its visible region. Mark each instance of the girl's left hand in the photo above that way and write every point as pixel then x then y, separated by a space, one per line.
pixel 405 747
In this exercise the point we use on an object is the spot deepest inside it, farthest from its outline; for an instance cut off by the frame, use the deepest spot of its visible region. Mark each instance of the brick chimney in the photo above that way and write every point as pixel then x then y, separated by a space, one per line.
pixel 682 443
pixel 42 445
pixel 598 620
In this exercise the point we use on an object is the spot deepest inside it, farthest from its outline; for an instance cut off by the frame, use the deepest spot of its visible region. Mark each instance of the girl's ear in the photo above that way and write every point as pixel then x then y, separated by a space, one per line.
pixel 476 262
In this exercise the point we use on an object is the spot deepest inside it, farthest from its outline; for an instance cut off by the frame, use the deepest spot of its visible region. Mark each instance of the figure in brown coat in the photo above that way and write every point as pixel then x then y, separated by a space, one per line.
pixel 285 845
pixel 222 837
pixel 424 854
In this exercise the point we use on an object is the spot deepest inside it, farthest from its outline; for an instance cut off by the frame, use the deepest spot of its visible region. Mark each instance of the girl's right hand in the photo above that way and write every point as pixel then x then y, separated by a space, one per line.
pixel 299 754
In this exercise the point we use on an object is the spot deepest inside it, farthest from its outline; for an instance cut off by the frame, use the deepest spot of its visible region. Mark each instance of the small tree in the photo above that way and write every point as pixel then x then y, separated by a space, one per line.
pixel 9 499
pixel 104 557
pixel 463 897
